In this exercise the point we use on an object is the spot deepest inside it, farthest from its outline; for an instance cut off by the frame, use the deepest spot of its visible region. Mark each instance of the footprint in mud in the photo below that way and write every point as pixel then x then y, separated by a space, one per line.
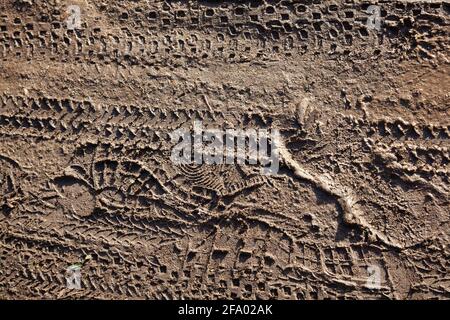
pixel 75 196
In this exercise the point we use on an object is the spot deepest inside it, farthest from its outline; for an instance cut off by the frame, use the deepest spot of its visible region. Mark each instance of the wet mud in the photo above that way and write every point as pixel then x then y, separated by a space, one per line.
pixel 359 208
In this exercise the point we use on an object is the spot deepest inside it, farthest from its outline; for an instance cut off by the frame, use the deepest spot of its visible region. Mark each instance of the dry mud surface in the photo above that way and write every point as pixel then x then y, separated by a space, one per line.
pixel 85 169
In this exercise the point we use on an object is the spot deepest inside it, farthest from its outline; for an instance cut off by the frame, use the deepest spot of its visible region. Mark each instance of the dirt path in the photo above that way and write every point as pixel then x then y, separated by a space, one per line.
pixel 90 95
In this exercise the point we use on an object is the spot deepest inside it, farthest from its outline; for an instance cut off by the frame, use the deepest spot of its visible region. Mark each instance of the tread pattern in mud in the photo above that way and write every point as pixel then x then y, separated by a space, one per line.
pixel 85 171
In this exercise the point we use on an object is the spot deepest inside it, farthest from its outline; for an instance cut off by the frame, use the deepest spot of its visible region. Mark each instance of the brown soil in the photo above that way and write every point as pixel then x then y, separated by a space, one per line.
pixel 85 170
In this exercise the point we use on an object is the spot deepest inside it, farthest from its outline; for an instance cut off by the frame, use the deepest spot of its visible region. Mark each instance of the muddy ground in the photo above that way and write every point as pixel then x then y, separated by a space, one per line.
pixel 358 209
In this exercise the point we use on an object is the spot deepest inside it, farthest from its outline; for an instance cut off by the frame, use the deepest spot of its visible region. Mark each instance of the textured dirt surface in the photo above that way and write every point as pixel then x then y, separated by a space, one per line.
pixel 85 170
